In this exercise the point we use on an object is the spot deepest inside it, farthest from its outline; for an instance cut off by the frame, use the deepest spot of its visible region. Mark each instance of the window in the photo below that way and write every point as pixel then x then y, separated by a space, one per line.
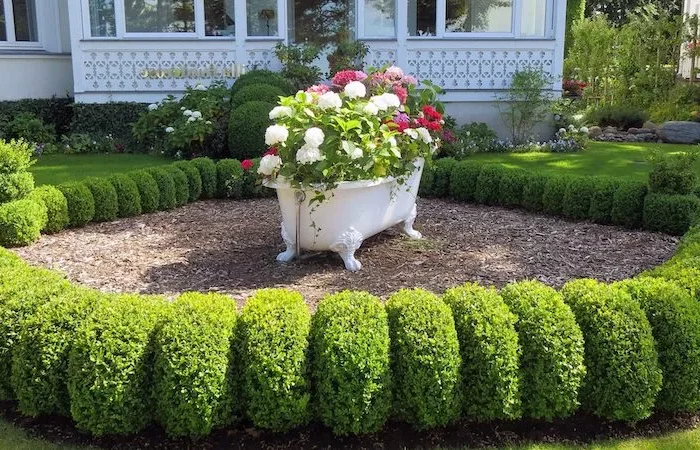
pixel 262 17
pixel 533 21
pixel 159 16
pixel 479 16
pixel 18 21
pixel 218 18
pixel 321 21
pixel 102 23
pixel 379 18
pixel 3 29
pixel 422 17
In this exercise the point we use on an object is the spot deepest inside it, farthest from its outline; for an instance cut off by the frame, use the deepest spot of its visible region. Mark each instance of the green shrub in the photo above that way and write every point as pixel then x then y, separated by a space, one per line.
pixel 246 129
pixel 552 364
pixel 110 365
pixel 490 352
pixel 106 200
pixel 56 110
pixel 128 197
pixel 40 359
pixel 256 93
pixel 350 363
pixel 56 208
pixel 463 180
pixel 273 339
pixel 207 172
pixel 425 359
pixel 620 116
pixel 436 179
pixel 553 195
pixel 623 375
pixel 229 176
pixel 194 366
pixel 15 186
pixel 182 185
pixel 113 119
pixel 167 195
pixel 21 222
pixel 672 214
pixel 673 174
pixel 29 127
pixel 675 323
pixel 577 197
pixel 262 76
pixel 194 179
pixel 487 184
pixel 149 193
pixel 81 204
pixel 602 200
pixel 533 191
pixel 15 156
pixel 511 188
pixel 628 204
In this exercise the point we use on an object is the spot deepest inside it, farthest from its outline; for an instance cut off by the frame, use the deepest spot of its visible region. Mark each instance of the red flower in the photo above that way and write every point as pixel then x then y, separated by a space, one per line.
pixel 246 164
pixel 344 77
pixel 432 113
pixel 401 93
pixel 272 151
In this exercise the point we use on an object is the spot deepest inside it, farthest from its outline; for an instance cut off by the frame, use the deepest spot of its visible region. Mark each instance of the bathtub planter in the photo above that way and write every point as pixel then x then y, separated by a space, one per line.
pixel 351 213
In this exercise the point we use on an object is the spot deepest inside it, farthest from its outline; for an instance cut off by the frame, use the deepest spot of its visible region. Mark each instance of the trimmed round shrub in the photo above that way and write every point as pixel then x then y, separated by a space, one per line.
pixel 628 204
pixel 56 208
pixel 194 179
pixel 229 176
pixel 273 340
pixel 553 195
pixel 672 214
pixel 350 363
pixel 674 316
pixel 109 366
pixel 128 197
pixel 194 366
pixel 436 179
pixel 149 194
pixel 182 185
pixel 425 359
pixel 577 197
pixel 15 156
pixel 463 180
pixel 246 129
pixel 167 196
pixel 602 200
pixel 207 172
pixel 256 93
pixel 511 188
pixel 487 184
pixel 81 204
pixel 21 222
pixel 40 359
pixel 490 352
pixel 15 186
pixel 623 375
pixel 262 76
pixel 551 366
pixel 106 200
pixel 533 191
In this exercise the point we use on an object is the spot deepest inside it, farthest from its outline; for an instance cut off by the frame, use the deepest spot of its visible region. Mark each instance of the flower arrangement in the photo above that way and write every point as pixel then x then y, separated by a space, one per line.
pixel 363 126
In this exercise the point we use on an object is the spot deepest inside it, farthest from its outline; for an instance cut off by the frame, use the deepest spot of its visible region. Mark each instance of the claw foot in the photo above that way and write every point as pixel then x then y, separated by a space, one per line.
pixel 407 225
pixel 346 245
pixel 290 253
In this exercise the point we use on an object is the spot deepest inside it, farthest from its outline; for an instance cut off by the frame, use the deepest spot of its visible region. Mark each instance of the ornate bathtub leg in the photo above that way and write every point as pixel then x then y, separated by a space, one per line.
pixel 345 245
pixel 407 225
pixel 290 253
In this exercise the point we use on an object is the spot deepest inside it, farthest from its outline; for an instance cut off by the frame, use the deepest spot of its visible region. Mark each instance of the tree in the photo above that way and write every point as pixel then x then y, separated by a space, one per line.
pixel 617 11
pixel 574 12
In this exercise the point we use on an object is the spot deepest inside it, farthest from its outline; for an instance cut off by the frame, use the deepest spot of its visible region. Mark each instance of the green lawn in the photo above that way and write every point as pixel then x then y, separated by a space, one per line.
pixel 627 160
pixel 56 169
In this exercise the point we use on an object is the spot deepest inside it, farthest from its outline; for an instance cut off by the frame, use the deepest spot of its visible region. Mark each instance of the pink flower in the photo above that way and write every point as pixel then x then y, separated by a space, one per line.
pixel 409 79
pixel 401 93
pixel 344 77
pixel 318 89
pixel 394 73
pixel 246 164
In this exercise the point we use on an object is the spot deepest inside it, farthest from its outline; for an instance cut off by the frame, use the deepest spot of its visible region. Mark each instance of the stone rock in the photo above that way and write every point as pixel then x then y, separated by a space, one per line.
pixel 633 130
pixel 680 132
pixel 650 125
pixel 594 131
pixel 610 130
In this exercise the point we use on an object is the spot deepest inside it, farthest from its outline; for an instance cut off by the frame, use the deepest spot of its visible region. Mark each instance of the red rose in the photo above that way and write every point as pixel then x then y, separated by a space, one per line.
pixel 246 165
pixel 272 151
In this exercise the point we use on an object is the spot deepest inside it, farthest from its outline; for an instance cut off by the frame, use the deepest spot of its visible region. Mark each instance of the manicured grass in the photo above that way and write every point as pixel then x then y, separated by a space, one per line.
pixel 13 438
pixel 56 169
pixel 626 160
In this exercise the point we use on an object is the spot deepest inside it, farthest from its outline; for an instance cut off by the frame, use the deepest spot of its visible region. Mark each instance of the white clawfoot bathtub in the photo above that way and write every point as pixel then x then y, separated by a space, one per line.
pixel 351 213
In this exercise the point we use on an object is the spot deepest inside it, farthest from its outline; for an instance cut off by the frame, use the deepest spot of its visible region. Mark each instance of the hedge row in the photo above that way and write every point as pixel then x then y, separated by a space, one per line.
pixel 117 363
pixel 600 199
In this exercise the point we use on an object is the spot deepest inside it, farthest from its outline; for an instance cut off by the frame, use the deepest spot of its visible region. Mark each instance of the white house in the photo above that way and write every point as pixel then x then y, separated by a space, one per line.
pixel 690 8
pixel 141 50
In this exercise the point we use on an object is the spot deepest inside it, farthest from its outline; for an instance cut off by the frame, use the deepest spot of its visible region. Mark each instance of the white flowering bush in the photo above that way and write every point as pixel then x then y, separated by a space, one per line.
pixel 365 126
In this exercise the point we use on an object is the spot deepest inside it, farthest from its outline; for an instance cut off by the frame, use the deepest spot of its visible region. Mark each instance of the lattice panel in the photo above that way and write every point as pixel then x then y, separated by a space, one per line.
pixel 380 57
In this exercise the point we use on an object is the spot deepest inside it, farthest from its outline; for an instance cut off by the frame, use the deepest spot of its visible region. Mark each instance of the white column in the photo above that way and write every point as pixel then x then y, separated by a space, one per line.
pixel 559 30
pixel 402 34
pixel 75 17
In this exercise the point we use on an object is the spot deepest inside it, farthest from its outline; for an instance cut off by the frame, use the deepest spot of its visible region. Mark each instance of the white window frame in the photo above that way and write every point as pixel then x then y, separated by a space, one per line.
pixel 360 23
pixel 12 42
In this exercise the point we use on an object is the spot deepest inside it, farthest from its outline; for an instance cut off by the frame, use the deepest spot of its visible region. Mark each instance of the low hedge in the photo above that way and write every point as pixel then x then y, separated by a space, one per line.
pixel 15 186
pixel 128 197
pixel 229 178
pixel 488 343
pixel 182 185
pixel 554 194
pixel 552 364
pixel 436 178
pixel 511 188
pixel 21 222
pixel 262 76
pixel 194 365
pixel 194 179
pixel 81 203
pixel 56 205
pixel 350 363
pixel 577 197
pixel 106 200
pixel 463 179
pixel 623 375
pixel 488 184
pixel 167 194
pixel 148 190
pixel 672 214
pixel 533 191
pixel 602 200
pixel 425 359
pixel 207 172
pixel 628 204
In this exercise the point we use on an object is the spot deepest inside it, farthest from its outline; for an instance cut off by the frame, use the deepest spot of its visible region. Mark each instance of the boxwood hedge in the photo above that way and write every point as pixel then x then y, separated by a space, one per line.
pixel 106 200
pixel 194 179
pixel 488 184
pixel 182 185
pixel 229 178
pixel 577 197
pixel 21 222
pixel 81 203
pixel 56 208
pixel 149 192
pixel 207 172
pixel 554 193
pixel 167 197
pixel 128 197
pixel 463 179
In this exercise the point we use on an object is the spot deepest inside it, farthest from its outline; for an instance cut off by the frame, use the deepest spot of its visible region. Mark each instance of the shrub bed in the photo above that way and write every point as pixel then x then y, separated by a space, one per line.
pixel 257 92
pixel 21 222
pixel 463 179
pixel 554 194
pixel 577 197
pixel 181 183
pixel 167 197
pixel 247 127
pixel 602 200
pixel 229 177
pixel 511 187
pixel 207 172
pixel 15 186
pixel 672 214
pixel 148 190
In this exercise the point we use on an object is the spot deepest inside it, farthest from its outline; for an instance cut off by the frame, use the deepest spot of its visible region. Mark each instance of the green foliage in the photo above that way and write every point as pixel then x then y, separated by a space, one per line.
pixel 207 172
pixel 425 359
pixel 574 12
pixel 552 364
pixel 15 156
pixel 628 204
pixel 350 363
pixel 554 193
pixel 512 187
pixel 106 200
pixel 620 116
pixel 672 214
pixel 533 191
pixel 577 197
pixel 56 207
pixel 110 365
pixel 149 193
pixel 675 323
pixel 257 92
pixel 260 76
pixel 128 197
pixel 81 204
pixel 21 222
pixel 229 177
pixel 348 54
pixel 181 184
pixel 247 127
pixel 28 126
pixel 15 186
pixel 113 119
pixel 673 174
pixel 298 64
pixel 194 179
pixel 474 137
pixel 194 365
pixel 273 340
pixel 623 375
pixel 526 104
pixel 490 352
pixel 463 179
pixel 602 199
pixel 487 184
pixel 56 110
pixel 166 188
pixel 436 179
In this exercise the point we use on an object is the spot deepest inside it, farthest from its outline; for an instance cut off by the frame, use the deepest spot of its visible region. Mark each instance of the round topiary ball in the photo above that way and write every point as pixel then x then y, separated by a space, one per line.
pixel 81 204
pixel 194 179
pixel 15 186
pixel 128 197
pixel 257 93
pixel 167 197
pixel 246 129
pixel 264 77
pixel 56 208
pixel 21 222
pixel 106 200
pixel 207 171
pixel 148 190
pixel 182 185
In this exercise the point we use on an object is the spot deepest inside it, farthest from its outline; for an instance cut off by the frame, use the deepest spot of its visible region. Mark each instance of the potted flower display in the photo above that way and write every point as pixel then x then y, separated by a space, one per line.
pixel 346 160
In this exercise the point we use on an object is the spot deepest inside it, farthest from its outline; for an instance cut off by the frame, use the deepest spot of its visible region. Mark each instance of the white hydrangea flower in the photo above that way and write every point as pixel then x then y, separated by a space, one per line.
pixel 572 127
pixel 371 109
pixel 380 102
pixel 269 164
pixel 276 134
pixel 191 119
pixel 169 130
pixel 355 89
pixel 394 71
pixel 562 130
pixel 309 154
pixel 200 87
pixel 330 100
pixel 281 111
pixel 410 132
pixel 352 150
pixel 314 137
pixel 424 135
pixel 197 115
pixel 187 113
pixel 152 107
pixel 208 122
pixel 584 130
pixel 392 100
pixel 182 108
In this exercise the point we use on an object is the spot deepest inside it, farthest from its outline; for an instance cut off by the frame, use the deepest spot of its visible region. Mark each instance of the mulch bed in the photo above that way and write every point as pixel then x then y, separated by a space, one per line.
pixel 230 247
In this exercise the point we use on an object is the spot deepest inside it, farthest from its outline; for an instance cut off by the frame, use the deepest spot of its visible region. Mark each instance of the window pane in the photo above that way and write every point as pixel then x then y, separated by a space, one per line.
pixel 422 16
pixel 25 20
pixel 218 18
pixel 321 21
pixel 3 29
pixel 479 16
pixel 102 18
pixel 380 18
pixel 159 16
pixel 534 18
pixel 262 17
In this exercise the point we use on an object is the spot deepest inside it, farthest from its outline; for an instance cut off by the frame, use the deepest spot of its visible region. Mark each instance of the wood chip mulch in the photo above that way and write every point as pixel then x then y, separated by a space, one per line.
pixel 230 247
